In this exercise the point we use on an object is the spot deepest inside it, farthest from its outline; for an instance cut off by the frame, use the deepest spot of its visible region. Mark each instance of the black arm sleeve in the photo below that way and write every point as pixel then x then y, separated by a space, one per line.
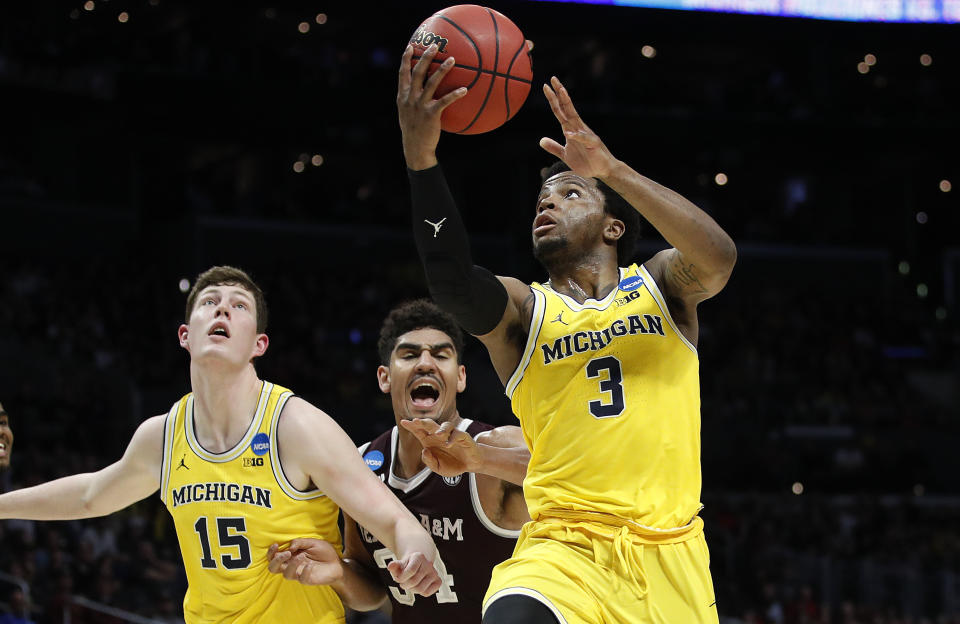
pixel 472 294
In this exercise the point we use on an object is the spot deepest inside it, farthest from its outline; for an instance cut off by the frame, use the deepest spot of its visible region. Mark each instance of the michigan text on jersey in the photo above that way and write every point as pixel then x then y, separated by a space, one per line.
pixel 217 492
pixel 582 341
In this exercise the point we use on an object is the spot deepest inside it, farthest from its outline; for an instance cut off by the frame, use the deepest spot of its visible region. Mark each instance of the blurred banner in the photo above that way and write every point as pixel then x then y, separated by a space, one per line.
pixel 946 11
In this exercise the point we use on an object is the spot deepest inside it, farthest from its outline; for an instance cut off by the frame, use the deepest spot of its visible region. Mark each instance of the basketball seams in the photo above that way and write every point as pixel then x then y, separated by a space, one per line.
pixel 480 70
pixel 468 32
pixel 473 43
pixel 493 79
pixel 506 86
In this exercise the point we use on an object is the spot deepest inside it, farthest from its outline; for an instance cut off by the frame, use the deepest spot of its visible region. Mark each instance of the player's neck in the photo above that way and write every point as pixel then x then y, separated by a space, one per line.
pixel 224 405
pixel 585 280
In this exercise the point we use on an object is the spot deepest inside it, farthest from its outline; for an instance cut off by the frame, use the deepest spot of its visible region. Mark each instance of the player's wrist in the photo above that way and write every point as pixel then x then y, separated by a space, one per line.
pixel 419 162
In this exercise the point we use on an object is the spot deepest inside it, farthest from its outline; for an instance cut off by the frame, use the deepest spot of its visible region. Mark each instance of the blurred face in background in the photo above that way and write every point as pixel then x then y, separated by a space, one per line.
pixel 6 439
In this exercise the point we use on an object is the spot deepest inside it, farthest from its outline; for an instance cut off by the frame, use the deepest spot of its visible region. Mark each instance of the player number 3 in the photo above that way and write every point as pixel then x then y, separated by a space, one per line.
pixel 611 383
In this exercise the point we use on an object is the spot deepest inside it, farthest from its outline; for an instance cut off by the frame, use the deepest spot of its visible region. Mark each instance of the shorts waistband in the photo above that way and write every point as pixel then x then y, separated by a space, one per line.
pixel 645 534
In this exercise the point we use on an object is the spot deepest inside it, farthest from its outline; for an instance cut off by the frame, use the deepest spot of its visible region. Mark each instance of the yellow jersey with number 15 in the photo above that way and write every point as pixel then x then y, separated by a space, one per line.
pixel 608 397
pixel 229 507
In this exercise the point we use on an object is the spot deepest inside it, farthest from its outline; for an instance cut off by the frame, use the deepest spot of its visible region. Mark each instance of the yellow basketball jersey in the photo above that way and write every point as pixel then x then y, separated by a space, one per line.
pixel 228 508
pixel 608 397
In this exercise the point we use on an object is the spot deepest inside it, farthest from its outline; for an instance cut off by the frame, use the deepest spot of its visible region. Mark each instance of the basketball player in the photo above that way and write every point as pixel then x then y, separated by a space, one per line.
pixel 6 439
pixel 600 364
pixel 474 512
pixel 237 477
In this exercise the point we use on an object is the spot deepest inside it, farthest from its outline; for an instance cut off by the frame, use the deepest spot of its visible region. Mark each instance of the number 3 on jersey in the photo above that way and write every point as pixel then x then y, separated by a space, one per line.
pixel 384 556
pixel 612 384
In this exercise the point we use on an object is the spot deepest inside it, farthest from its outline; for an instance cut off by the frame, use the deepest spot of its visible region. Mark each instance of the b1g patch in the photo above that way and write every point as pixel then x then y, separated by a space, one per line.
pixel 452 480
pixel 631 283
pixel 260 444
pixel 373 459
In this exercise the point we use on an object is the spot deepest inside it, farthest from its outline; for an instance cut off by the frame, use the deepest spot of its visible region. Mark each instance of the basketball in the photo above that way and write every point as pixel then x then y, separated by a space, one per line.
pixel 492 61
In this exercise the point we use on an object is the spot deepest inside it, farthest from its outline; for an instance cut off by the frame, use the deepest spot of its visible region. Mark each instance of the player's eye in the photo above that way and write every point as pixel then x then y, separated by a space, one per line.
pixel 242 306
pixel 572 193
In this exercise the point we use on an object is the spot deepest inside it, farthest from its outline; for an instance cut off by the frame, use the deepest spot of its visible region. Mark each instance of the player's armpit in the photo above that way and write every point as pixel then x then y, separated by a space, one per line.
pixel 505 344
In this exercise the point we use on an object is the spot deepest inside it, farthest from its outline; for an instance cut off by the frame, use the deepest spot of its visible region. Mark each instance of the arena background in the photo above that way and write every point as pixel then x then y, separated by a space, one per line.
pixel 143 141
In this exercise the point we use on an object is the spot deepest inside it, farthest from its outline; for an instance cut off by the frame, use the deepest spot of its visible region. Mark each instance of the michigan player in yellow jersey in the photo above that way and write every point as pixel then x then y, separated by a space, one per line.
pixel 600 365
pixel 241 464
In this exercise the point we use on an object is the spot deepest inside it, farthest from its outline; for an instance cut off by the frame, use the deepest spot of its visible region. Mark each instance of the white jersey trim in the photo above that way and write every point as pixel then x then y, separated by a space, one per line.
pixel 278 475
pixel 239 447
pixel 482 515
pixel 408 485
pixel 536 321
pixel 530 593
pixel 169 431
pixel 654 291
pixel 601 304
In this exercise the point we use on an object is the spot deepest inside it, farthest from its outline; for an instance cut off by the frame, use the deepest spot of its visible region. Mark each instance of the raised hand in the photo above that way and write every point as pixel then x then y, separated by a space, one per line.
pixel 415 573
pixel 418 110
pixel 583 152
pixel 447 450
pixel 307 560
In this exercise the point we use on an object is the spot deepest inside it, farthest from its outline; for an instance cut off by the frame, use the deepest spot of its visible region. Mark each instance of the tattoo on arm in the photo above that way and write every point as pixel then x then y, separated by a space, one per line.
pixel 683 276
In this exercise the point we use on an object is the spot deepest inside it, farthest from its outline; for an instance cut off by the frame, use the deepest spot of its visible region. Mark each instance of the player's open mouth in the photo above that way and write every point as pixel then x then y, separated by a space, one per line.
pixel 219 330
pixel 425 394
pixel 3 449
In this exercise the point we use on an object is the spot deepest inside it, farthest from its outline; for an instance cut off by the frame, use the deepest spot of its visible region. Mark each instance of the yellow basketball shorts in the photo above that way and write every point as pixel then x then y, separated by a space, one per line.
pixel 591 573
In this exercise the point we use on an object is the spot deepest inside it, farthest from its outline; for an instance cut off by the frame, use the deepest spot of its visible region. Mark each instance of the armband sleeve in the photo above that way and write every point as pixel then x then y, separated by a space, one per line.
pixel 472 294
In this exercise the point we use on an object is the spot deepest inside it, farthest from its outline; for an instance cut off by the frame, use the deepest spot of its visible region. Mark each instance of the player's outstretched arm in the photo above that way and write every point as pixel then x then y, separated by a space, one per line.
pixel 483 304
pixel 311 443
pixel 703 256
pixel 448 451
pixel 134 477
pixel 316 562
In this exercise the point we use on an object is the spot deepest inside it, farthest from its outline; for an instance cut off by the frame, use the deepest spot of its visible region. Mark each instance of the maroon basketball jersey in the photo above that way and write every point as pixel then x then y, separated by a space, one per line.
pixel 468 542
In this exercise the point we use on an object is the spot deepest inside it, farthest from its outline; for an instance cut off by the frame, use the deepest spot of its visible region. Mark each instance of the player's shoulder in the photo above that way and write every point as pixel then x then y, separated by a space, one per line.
pixel 301 418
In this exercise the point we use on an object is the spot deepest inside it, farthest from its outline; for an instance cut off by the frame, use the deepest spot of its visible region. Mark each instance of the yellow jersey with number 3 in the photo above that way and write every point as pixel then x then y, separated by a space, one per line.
pixel 229 508
pixel 608 397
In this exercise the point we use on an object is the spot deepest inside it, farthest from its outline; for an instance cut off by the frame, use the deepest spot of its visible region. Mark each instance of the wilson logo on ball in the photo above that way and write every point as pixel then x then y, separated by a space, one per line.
pixel 427 38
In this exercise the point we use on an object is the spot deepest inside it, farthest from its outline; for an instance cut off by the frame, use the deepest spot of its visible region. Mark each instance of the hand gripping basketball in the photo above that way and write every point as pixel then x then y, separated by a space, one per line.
pixel 492 61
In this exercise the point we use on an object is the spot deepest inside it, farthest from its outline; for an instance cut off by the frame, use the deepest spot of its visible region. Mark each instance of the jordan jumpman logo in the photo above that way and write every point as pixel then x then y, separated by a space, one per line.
pixel 436 226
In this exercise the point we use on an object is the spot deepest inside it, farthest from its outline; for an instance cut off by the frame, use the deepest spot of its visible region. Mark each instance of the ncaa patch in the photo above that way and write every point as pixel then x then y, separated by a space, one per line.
pixel 374 459
pixel 452 480
pixel 260 444
pixel 631 283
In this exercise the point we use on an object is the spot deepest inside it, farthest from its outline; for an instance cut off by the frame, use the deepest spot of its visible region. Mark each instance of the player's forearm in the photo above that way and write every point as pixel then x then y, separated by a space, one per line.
pixel 685 226
pixel 360 588
pixel 63 499
pixel 410 537
pixel 508 464
pixel 470 293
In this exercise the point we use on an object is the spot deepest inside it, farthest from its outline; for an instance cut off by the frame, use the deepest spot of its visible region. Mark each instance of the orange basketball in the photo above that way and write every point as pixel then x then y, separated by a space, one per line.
pixel 492 61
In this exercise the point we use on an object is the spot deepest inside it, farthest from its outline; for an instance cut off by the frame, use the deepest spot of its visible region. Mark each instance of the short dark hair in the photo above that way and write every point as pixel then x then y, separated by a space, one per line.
pixel 229 276
pixel 418 314
pixel 615 205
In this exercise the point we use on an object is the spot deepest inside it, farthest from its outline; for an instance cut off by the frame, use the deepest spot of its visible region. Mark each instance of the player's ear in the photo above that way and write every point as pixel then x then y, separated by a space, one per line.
pixel 461 378
pixel 261 346
pixel 613 230
pixel 182 337
pixel 383 379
